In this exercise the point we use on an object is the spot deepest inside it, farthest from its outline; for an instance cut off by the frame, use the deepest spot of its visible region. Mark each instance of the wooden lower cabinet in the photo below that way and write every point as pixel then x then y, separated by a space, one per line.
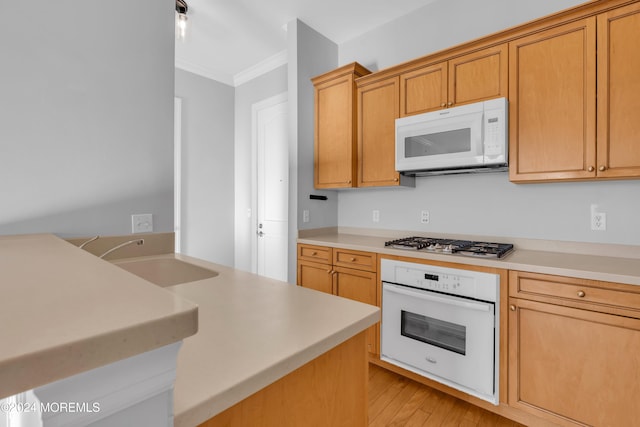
pixel 331 390
pixel 359 286
pixel 358 283
pixel 315 276
pixel 572 362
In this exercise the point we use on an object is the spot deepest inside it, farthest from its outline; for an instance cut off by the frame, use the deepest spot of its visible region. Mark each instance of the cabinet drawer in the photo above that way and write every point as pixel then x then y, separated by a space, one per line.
pixel 312 253
pixel 354 259
pixel 547 288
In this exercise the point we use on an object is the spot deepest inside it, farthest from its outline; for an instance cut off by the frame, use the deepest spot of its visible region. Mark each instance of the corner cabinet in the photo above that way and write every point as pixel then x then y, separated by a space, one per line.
pixel 345 273
pixel 559 129
pixel 574 349
pixel 335 127
pixel 473 77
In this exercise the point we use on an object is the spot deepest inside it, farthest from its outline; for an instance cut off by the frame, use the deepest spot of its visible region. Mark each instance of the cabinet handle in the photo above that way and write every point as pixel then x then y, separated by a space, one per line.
pixel 512 307
pixel 591 168
pixel 581 294
pixel 602 168
pixel 450 104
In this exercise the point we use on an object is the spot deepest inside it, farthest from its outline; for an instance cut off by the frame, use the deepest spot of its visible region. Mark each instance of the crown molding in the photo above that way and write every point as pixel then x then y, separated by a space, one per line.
pixel 261 68
pixel 204 72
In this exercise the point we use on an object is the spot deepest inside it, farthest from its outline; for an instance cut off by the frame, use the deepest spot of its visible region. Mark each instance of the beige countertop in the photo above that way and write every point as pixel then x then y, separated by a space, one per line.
pixel 253 331
pixel 617 263
pixel 64 311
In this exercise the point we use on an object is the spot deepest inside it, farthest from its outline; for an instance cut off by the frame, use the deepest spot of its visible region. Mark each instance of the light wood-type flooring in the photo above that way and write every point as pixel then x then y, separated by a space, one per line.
pixel 398 401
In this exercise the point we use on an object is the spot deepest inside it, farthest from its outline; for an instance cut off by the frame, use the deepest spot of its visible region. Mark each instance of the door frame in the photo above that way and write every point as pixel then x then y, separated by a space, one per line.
pixel 177 172
pixel 255 109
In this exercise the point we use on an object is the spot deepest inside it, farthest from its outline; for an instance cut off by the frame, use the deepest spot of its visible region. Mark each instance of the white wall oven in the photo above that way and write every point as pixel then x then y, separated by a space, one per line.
pixel 442 323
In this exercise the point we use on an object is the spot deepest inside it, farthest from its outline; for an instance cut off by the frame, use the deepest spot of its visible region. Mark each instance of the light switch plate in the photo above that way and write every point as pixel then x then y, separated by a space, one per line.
pixel 142 223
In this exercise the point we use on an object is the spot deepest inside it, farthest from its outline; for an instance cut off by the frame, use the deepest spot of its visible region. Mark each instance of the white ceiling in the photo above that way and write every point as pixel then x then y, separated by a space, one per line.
pixel 227 38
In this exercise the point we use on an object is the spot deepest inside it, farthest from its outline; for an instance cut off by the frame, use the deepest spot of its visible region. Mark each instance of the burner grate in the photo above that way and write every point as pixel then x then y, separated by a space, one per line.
pixel 452 246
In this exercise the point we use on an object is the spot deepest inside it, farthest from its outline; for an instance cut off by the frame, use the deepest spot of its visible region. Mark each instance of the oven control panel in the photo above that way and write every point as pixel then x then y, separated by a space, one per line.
pixel 467 283
pixel 451 283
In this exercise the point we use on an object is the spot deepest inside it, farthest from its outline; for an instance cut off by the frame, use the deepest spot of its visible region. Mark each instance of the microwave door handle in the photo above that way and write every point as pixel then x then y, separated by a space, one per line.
pixel 427 296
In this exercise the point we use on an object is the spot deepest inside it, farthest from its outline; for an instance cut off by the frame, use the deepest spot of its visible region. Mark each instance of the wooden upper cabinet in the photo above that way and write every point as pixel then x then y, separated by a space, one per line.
pixel 552 114
pixel 479 76
pixel 424 89
pixel 619 93
pixel 473 77
pixel 378 108
pixel 335 129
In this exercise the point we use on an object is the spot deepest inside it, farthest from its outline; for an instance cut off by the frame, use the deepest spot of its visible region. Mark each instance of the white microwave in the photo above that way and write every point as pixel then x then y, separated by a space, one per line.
pixel 469 138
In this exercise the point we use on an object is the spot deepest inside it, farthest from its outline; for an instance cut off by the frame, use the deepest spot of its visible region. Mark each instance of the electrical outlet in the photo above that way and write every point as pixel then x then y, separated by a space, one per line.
pixel 305 215
pixel 375 215
pixel 598 219
pixel 142 223
pixel 424 217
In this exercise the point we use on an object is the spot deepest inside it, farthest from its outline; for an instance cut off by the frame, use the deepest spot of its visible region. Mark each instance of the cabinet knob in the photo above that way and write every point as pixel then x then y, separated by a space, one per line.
pixel 512 307
pixel 353 259
pixel 395 179
pixel 349 182
pixel 591 168
pixel 602 168
pixel 314 253
pixel 450 104
pixel 581 294
pixel 443 104
pixel 329 271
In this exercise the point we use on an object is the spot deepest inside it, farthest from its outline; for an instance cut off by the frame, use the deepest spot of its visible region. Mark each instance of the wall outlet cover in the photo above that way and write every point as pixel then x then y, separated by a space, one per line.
pixel 142 223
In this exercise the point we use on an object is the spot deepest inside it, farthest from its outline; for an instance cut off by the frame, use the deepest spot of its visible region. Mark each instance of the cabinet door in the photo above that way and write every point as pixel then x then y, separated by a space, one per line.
pixel 574 366
pixel 479 76
pixel 315 276
pixel 423 90
pixel 378 109
pixel 359 286
pixel 335 145
pixel 618 93
pixel 552 104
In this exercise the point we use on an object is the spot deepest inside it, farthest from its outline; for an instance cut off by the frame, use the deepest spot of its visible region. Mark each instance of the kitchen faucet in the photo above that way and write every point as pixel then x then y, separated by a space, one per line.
pixel 93 239
pixel 121 245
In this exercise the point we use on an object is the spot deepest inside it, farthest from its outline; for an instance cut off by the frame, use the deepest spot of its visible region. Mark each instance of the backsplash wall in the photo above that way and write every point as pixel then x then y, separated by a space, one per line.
pixel 489 204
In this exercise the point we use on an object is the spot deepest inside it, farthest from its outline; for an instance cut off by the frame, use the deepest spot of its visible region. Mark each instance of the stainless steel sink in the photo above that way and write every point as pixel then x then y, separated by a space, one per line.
pixel 165 271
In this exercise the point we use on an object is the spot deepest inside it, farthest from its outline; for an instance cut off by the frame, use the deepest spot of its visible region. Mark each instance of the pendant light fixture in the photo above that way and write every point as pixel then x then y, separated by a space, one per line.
pixel 181 19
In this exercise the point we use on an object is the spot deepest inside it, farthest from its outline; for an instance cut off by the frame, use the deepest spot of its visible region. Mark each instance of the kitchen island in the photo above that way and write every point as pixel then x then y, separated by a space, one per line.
pixel 256 332
pixel 73 314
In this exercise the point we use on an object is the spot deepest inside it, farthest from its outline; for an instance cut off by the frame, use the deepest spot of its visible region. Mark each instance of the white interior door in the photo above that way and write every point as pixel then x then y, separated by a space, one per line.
pixel 272 187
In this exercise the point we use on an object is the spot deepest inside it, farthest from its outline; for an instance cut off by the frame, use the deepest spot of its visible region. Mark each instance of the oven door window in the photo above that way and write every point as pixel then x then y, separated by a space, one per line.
pixel 439 333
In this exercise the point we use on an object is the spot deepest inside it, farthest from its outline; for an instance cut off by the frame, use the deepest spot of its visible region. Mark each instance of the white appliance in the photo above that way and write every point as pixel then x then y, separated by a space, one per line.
pixel 469 138
pixel 442 323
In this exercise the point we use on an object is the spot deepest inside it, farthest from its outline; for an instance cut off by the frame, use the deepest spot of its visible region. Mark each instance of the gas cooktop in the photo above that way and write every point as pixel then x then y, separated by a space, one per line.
pixel 452 246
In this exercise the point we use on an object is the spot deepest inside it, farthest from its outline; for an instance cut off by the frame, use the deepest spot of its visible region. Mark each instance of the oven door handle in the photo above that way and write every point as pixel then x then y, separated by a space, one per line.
pixel 428 296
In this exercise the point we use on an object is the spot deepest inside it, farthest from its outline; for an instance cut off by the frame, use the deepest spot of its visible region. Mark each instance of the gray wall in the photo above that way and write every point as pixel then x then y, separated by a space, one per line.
pixel 256 90
pixel 86 115
pixel 481 204
pixel 207 167
pixel 310 54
